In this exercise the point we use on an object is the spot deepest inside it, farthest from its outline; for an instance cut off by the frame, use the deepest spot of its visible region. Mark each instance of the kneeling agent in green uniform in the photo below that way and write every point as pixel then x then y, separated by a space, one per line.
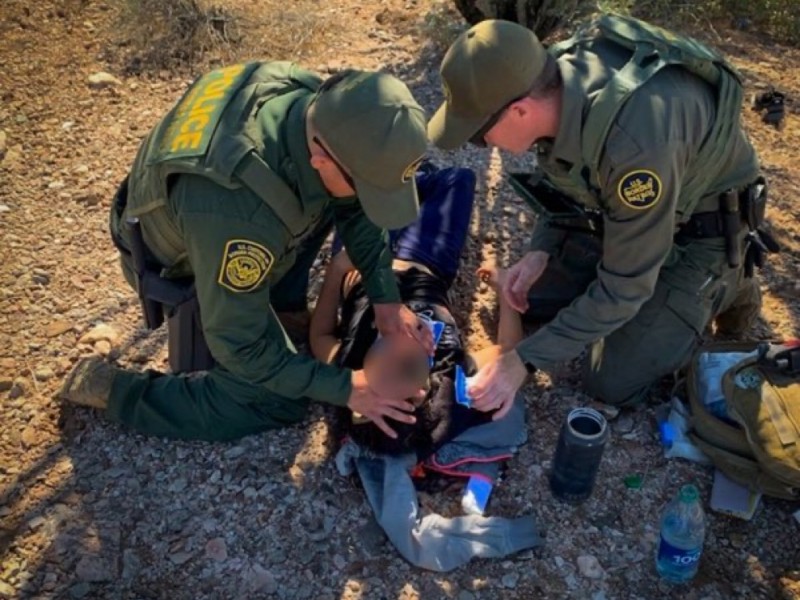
pixel 234 191
pixel 639 129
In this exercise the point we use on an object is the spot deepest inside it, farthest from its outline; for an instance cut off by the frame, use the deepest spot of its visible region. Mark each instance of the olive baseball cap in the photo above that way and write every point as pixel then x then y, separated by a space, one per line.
pixel 488 66
pixel 375 128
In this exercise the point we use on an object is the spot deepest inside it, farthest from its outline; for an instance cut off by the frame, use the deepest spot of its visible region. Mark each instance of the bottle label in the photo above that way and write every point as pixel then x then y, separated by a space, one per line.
pixel 678 557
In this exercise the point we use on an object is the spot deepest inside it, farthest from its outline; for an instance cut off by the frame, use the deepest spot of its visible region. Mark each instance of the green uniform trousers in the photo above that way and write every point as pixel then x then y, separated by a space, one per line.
pixel 695 284
pixel 216 406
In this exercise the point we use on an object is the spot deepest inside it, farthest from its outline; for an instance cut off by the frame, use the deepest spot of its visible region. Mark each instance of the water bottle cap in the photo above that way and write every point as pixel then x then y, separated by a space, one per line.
pixel 689 494
pixel 667 433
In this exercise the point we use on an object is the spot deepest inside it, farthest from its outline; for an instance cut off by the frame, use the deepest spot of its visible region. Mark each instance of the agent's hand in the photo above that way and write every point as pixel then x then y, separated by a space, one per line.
pixel 494 386
pixel 521 277
pixel 364 401
pixel 398 318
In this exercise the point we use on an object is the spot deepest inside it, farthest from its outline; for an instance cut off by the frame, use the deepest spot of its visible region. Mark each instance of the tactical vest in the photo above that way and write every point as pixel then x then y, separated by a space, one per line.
pixel 213 132
pixel 652 49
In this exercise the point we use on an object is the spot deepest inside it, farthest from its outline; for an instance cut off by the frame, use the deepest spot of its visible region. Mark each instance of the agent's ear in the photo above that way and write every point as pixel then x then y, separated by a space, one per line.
pixel 319 161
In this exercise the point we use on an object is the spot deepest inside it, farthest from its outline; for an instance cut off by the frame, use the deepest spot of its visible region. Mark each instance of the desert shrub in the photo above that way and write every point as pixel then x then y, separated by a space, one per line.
pixel 779 19
pixel 162 34
pixel 541 16
pixel 442 24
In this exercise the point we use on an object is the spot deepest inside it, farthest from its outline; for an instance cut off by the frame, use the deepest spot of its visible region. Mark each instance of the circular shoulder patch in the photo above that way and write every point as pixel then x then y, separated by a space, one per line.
pixel 640 189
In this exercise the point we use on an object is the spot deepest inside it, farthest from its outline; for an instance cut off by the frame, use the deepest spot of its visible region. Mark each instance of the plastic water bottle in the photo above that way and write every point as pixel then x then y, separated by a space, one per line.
pixel 683 529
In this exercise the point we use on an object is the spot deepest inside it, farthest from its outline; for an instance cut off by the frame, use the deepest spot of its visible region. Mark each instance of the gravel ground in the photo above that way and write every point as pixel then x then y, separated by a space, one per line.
pixel 88 510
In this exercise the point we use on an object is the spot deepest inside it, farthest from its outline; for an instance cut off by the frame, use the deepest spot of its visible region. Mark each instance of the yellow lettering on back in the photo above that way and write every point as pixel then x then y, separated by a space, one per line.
pixel 190 120
pixel 186 141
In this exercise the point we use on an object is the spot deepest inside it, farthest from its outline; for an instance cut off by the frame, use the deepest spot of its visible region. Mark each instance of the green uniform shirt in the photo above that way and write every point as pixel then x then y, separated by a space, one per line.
pixel 650 148
pixel 238 248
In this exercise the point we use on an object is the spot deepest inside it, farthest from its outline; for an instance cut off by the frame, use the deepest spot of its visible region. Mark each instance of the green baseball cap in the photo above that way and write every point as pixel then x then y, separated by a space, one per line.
pixel 376 129
pixel 488 66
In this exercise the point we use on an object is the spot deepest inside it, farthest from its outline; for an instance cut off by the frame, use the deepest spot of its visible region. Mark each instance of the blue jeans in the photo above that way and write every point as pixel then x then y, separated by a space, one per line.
pixel 436 238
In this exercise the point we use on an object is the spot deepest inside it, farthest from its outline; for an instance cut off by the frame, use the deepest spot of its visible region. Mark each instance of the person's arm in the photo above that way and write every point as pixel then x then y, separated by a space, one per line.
pixel 367 245
pixel 509 321
pixel 368 248
pixel 647 153
pixel 324 320
pixel 235 245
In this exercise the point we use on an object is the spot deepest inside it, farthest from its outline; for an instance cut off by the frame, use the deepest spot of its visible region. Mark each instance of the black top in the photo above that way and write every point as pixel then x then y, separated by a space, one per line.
pixel 439 417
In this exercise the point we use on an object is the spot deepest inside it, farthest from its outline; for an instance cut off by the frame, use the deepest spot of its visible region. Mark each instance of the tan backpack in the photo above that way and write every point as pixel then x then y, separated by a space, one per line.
pixel 758 443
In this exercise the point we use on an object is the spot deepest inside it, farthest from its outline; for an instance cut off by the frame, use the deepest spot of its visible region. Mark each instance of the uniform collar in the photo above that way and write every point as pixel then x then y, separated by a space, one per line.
pixel 297 169
pixel 566 146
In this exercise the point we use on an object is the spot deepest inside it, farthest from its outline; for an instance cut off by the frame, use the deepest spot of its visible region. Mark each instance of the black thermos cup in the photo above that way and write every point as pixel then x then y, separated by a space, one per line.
pixel 578 453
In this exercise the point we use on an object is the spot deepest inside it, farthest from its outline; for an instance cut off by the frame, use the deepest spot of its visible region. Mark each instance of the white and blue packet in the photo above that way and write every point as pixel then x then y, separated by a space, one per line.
pixel 478 489
pixel 437 329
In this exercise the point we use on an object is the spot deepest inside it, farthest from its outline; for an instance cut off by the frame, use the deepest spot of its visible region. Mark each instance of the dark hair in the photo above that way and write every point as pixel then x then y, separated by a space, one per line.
pixel 548 81
pixel 334 80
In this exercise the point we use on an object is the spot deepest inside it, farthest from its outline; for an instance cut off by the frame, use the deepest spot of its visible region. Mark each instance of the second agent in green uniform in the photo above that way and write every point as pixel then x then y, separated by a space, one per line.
pixel 236 189
pixel 642 127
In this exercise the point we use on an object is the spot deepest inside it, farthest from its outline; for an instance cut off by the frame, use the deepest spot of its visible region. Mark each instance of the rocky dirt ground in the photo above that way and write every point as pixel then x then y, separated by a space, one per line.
pixel 88 510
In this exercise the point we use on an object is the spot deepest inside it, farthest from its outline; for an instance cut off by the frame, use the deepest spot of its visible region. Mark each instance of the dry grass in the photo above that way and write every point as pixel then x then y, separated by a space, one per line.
pixel 165 34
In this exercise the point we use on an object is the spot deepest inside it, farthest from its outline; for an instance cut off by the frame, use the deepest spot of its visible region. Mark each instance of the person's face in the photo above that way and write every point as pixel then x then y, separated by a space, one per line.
pixel 511 131
pixel 396 366
pixel 334 175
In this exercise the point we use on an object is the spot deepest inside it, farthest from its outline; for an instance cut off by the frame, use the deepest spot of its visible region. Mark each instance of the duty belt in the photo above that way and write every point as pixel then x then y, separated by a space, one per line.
pixel 738 210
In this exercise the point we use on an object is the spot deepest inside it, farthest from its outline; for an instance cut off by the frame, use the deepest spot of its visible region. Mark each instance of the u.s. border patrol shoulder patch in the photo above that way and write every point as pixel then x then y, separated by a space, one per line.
pixel 640 189
pixel 245 264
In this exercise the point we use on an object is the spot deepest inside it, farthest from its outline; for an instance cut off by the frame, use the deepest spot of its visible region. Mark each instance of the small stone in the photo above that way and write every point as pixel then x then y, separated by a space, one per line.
pixel 79 591
pixel 7 590
pixel 559 561
pixel 465 595
pixel 101 80
pixel 89 199
pixel 17 390
pixel 36 522
pixel 590 567
pixel 57 328
pixel 624 424
pixel 3 143
pixel 102 347
pixel 6 384
pixel 608 411
pixel 178 485
pixel 44 373
pixel 179 558
pixel 98 333
pixel 5 208
pixel 339 561
pixel 510 580
pixel 131 564
pixel 234 452
pixel 261 580
pixel 30 437
pixel 216 549
pixel 93 568
pixel 8 363
pixel 372 537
